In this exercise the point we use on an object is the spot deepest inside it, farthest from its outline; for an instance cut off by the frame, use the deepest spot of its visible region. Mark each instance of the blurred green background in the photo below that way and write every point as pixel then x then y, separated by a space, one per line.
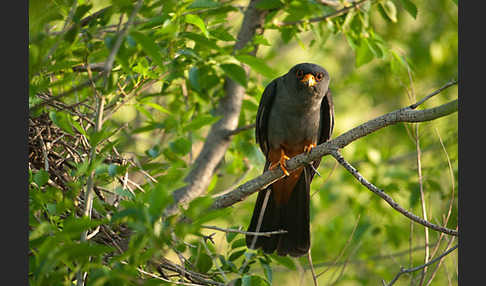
pixel 357 239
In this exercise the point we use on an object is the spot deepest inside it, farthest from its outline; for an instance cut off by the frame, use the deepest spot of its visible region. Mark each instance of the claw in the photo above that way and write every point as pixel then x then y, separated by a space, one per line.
pixel 309 147
pixel 281 162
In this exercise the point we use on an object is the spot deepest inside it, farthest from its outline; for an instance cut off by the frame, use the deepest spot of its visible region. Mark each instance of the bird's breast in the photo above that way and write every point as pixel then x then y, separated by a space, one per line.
pixel 293 126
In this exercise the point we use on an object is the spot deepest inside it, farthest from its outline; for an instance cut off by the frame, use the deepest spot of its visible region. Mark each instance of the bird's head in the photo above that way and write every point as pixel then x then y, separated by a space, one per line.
pixel 309 78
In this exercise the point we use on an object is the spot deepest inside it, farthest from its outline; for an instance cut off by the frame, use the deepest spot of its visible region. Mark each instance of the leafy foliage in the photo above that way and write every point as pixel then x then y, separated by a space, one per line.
pixel 158 101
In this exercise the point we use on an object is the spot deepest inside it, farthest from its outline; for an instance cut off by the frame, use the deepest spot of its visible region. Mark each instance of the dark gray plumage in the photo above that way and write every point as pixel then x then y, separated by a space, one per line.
pixel 295 114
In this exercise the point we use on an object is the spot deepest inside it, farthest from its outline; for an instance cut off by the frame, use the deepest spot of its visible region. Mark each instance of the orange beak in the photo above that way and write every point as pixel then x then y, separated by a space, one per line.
pixel 309 80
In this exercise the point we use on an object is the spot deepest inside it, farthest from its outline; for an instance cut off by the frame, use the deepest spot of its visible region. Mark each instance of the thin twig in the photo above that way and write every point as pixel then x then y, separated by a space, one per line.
pixel 387 198
pixel 420 180
pixel 451 174
pixel 89 193
pixel 325 17
pixel 446 219
pixel 313 272
pixel 344 248
pixel 63 31
pixel 447 85
pixel 111 58
pixel 259 224
pixel 166 280
pixel 410 270
pixel 240 129
pixel 267 234
pixel 66 93
pixel 346 263
pixel 327 178
pixel 432 276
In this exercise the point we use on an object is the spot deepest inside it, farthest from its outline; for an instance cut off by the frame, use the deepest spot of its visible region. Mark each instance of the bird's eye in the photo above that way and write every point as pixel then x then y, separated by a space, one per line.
pixel 300 74
pixel 319 76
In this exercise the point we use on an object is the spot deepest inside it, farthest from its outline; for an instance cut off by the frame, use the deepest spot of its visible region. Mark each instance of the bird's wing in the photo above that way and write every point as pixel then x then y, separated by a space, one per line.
pixel 327 118
pixel 263 115
pixel 326 124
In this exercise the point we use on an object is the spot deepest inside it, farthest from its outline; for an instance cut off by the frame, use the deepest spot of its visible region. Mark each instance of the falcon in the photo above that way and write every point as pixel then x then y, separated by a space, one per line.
pixel 295 114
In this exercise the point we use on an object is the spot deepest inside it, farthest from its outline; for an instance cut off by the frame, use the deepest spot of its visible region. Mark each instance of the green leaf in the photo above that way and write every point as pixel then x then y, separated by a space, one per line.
pixel 258 65
pixel 204 263
pixel 149 47
pixel 238 243
pixel 410 7
pixel 253 280
pixel 414 191
pixel 200 121
pixel 112 170
pixel 74 226
pixel 363 53
pixel 158 107
pixel 221 34
pixel 85 250
pixel 261 40
pixel 231 235
pixel 203 4
pixel 153 152
pixel 267 270
pixel 78 127
pixel 81 11
pixel 195 20
pixel 235 255
pixel 390 10
pixel 397 64
pixel 181 146
pixel 124 192
pixel 269 4
pixel 285 261
pixel 287 33
pixel 194 78
pixel 40 230
pixel 41 177
pixel 235 72
pixel 62 120
pixel 375 48
pixel 71 34
pixel 211 215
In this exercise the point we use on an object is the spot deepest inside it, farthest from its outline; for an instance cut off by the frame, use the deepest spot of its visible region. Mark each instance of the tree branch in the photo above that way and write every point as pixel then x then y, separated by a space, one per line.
pixel 267 234
pixel 401 115
pixel 325 17
pixel 387 198
pixel 218 141
pixel 409 270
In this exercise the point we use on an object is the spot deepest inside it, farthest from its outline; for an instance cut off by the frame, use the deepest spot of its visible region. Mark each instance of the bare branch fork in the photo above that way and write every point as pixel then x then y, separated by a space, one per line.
pixel 387 198
pixel 410 270
pixel 407 114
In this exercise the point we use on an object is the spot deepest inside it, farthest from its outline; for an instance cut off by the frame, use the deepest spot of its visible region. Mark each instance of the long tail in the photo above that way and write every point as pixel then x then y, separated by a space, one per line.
pixel 290 214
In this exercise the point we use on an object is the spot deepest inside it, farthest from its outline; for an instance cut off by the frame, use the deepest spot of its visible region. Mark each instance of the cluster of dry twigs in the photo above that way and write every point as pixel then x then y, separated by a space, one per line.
pixel 54 150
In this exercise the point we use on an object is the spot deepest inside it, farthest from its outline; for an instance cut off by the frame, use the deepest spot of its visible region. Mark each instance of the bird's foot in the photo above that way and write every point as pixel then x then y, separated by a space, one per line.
pixel 281 162
pixel 308 148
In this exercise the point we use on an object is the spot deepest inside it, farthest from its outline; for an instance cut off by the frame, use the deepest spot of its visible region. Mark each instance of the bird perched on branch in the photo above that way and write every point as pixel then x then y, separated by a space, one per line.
pixel 295 114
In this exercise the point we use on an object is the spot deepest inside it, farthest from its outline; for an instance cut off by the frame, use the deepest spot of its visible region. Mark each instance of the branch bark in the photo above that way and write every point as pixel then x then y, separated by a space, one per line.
pixel 388 199
pixel 218 141
pixel 401 115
